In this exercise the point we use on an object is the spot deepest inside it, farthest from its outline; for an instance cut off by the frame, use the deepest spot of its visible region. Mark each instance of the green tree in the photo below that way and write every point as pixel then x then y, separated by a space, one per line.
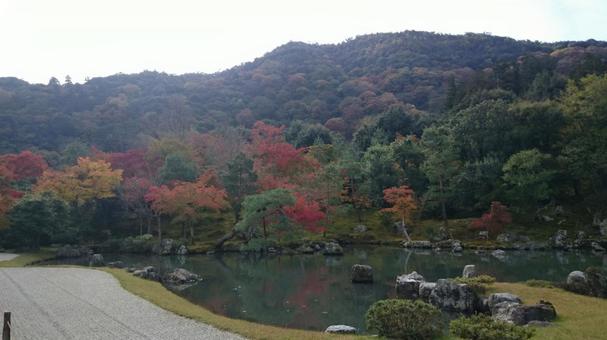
pixel 441 167
pixel 239 181
pixel 36 218
pixel 177 168
pixel 527 177
pixel 264 211
pixel 381 170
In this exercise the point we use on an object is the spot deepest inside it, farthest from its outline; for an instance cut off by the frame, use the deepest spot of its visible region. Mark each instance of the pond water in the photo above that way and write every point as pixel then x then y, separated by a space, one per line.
pixel 314 291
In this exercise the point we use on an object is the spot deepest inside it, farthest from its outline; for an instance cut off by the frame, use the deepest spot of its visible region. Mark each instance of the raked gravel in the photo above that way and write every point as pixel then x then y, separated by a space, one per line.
pixel 78 303
pixel 7 257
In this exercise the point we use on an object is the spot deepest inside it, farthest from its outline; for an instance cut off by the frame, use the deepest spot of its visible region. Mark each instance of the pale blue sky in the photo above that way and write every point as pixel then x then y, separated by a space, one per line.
pixel 44 38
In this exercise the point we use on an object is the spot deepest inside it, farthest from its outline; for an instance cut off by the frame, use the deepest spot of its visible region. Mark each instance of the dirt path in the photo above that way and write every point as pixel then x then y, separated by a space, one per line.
pixel 75 303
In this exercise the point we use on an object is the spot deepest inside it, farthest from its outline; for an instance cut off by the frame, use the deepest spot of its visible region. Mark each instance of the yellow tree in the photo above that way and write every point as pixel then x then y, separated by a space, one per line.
pixel 403 204
pixel 86 181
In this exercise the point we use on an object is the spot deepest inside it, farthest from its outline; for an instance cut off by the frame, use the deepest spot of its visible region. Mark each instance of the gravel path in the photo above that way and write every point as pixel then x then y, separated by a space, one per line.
pixel 7 256
pixel 75 303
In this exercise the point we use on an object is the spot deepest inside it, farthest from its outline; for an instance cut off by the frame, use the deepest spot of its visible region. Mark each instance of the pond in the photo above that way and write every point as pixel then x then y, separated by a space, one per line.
pixel 314 291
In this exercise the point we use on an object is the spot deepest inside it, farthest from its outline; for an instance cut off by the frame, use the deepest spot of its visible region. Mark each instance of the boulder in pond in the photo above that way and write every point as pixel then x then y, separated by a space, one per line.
pixel 362 273
pixel 341 329
pixel 96 260
pixel 407 286
pixel 418 244
pixel 560 239
pixel 182 250
pixel 452 297
pixel 469 271
pixel 180 276
pixel 456 247
pixel 499 254
pixel 333 249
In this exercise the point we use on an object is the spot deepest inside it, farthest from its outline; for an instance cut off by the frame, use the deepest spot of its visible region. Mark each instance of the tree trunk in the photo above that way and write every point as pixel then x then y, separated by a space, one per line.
pixel 405 230
pixel 442 201
pixel 149 221
pixel 140 226
pixel 225 238
pixel 159 228
pixel 265 231
pixel 191 233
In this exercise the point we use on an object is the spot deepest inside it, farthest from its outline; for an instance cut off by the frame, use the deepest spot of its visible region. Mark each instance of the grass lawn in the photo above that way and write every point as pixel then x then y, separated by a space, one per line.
pixel 27 258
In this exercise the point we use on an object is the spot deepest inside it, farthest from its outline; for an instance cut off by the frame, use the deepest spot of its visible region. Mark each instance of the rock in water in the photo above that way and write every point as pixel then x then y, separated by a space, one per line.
pixel 182 250
pixel 457 247
pixel 180 276
pixel 469 271
pixel 499 254
pixel 341 329
pixel 407 286
pixel 333 249
pixel 453 297
pixel 96 260
pixel 559 240
pixel 362 273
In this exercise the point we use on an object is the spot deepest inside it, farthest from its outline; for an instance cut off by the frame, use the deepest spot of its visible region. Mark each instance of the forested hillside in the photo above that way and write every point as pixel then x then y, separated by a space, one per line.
pixel 418 124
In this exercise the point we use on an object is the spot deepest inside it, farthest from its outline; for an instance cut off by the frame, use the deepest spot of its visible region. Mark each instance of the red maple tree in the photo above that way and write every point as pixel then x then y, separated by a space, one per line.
pixel 494 220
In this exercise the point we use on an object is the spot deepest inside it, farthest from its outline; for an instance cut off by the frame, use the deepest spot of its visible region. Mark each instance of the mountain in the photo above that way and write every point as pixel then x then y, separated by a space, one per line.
pixel 337 85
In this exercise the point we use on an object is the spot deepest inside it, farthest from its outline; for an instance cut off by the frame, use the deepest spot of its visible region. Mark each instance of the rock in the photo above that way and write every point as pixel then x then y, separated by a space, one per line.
pixel 116 264
pixel 597 282
pixel 450 296
pixel 559 240
pixel 518 314
pixel 497 298
pixel 456 247
pixel 182 250
pixel 483 235
pixel 498 253
pixel 407 286
pixel 180 276
pixel 148 273
pixel 362 273
pixel 469 271
pixel 597 247
pixel 341 329
pixel 418 244
pixel 505 238
pixel 577 282
pixel 361 228
pixel 603 231
pixel 69 251
pixel 96 260
pixel 425 289
pixel 305 249
pixel 333 249
pixel 131 269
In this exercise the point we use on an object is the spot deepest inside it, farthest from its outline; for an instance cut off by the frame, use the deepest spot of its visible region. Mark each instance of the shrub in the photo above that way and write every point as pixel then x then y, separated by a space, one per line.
pixel 539 284
pixel 482 327
pixel 478 283
pixel 404 319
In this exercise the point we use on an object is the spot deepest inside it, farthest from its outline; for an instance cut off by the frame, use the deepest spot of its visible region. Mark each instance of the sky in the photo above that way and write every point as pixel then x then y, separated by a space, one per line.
pixel 41 39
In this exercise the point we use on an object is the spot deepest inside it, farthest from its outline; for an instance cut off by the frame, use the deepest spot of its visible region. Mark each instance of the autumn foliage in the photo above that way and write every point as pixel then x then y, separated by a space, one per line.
pixel 402 201
pixel 494 220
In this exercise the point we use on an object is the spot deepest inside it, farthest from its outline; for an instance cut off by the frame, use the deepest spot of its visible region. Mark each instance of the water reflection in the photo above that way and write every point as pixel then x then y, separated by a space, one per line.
pixel 314 291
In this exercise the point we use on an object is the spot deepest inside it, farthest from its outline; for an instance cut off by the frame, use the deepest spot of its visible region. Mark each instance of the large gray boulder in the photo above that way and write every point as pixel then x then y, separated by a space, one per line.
pixel 180 276
pixel 499 254
pixel 333 249
pixel 182 250
pixel 362 273
pixel 96 260
pixel 469 271
pixel 497 298
pixel 577 282
pixel 407 286
pixel 518 314
pixel 425 289
pixel 453 297
pixel 148 273
pixel 457 247
pixel 341 329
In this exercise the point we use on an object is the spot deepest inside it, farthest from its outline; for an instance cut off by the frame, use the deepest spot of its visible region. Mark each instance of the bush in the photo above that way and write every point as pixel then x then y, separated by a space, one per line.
pixel 478 283
pixel 539 284
pixel 482 327
pixel 404 319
